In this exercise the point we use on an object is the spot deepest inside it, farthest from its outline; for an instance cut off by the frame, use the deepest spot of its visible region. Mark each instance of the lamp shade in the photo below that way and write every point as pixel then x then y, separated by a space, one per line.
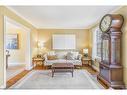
pixel 40 44
pixel 85 51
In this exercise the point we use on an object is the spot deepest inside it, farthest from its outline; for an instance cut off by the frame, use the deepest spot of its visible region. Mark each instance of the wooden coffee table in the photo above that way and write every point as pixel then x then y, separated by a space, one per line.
pixel 62 67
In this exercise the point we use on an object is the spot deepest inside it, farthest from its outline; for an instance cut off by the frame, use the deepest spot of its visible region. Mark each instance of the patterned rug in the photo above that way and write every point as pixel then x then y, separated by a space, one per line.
pixel 42 79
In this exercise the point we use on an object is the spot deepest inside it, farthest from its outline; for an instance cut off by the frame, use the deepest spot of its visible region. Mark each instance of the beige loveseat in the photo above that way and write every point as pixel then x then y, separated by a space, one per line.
pixel 62 57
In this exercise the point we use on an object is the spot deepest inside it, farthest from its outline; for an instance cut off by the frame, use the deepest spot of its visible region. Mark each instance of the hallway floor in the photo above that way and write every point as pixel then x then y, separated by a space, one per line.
pixel 14 70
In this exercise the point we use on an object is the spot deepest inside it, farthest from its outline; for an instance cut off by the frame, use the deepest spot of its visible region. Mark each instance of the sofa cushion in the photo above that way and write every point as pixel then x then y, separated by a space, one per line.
pixel 50 62
pixel 79 57
pixel 75 62
pixel 61 55
pixel 75 54
pixel 70 56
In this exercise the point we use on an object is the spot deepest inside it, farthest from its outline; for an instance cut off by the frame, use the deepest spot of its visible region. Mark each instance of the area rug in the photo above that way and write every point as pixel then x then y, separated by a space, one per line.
pixel 42 79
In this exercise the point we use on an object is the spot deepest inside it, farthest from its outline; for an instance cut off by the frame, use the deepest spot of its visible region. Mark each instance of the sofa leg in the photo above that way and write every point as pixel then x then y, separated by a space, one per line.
pixel 78 67
pixel 45 67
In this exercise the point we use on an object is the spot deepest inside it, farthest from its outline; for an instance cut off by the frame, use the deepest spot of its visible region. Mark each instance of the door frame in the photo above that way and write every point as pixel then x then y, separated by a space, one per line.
pixel 28 57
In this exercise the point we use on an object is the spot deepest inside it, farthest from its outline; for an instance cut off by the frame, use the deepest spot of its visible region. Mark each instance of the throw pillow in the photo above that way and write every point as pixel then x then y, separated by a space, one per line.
pixel 70 56
pixel 79 57
pixel 53 57
pixel 75 54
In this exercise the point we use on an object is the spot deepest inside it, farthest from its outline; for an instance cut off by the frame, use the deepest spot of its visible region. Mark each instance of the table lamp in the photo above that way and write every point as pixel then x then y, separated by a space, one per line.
pixel 40 47
pixel 85 52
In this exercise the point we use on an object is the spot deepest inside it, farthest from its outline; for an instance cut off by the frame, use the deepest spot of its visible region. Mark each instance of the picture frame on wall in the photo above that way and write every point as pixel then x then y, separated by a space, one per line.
pixel 12 41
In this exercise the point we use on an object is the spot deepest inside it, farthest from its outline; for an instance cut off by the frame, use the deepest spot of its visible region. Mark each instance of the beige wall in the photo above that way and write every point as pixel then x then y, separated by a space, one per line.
pixel 34 40
pixel 122 11
pixel 82 37
pixel 6 12
pixel 34 37
pixel 18 55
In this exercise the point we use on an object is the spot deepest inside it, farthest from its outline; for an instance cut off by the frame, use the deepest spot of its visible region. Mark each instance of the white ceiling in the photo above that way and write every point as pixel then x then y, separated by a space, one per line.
pixel 62 17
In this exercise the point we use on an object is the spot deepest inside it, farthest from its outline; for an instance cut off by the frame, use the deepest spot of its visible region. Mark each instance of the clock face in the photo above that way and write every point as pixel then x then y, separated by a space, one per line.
pixel 105 23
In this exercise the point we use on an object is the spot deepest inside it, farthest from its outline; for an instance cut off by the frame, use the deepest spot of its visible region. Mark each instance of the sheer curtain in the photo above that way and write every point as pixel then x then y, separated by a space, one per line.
pixel 94 48
pixel 95 43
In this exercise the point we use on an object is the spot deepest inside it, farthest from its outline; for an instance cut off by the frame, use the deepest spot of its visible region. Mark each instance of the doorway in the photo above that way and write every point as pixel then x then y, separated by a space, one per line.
pixel 17 48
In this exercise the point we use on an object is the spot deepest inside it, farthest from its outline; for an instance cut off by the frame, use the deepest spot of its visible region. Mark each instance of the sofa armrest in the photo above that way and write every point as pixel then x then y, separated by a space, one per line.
pixel 45 57
pixel 79 56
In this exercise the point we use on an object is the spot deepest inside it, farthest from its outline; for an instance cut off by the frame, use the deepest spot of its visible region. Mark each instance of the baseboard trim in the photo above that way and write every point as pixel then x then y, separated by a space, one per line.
pixel 16 63
pixel 16 73
pixel 29 68
pixel 2 86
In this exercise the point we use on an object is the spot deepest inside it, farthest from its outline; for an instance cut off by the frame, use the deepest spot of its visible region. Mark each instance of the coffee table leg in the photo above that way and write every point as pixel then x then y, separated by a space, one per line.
pixel 52 72
pixel 72 71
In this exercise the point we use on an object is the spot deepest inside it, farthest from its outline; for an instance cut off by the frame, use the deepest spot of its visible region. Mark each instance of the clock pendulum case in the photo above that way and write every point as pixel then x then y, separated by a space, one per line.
pixel 111 70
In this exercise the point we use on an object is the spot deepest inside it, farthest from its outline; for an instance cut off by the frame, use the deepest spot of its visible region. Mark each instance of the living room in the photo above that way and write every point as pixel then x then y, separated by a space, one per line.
pixel 80 41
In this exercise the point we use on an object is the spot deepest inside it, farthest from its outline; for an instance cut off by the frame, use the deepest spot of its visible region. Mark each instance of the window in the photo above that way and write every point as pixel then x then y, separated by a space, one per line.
pixel 98 39
pixel 96 50
pixel 64 41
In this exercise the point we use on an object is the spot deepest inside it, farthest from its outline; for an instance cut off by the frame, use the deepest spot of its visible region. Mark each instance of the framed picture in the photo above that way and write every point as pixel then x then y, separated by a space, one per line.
pixel 12 41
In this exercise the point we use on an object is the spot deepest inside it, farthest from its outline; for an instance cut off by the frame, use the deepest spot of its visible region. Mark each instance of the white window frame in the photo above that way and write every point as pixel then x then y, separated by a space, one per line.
pixel 94 49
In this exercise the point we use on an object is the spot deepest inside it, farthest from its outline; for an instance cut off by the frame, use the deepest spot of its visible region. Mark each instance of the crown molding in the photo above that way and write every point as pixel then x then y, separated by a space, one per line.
pixel 88 27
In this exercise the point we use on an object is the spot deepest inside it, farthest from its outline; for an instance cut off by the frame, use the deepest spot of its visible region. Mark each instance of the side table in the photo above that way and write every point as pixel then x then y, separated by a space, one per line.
pixel 36 60
pixel 87 60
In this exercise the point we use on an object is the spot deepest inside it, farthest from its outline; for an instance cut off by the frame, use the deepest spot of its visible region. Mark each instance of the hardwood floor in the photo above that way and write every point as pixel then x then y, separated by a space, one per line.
pixel 13 80
pixel 22 74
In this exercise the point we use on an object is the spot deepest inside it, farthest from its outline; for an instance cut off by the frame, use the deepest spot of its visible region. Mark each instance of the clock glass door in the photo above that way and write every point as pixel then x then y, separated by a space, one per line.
pixel 105 51
pixel 115 53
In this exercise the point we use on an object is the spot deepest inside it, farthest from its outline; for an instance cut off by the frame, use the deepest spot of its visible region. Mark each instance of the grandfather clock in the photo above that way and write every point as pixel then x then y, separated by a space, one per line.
pixel 111 70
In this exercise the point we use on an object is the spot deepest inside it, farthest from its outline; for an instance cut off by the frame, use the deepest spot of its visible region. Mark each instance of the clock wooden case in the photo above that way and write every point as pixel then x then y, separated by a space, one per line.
pixel 111 70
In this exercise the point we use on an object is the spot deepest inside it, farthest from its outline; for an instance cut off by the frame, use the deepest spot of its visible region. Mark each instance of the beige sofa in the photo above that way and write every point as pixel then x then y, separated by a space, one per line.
pixel 62 58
